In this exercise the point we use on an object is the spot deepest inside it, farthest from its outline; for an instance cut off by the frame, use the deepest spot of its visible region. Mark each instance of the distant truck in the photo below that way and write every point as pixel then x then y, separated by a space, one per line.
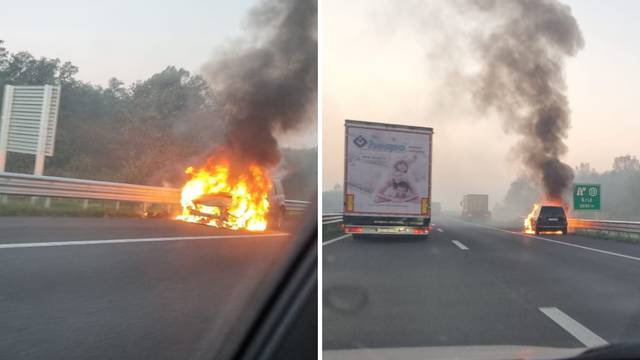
pixel 475 207
pixel 387 179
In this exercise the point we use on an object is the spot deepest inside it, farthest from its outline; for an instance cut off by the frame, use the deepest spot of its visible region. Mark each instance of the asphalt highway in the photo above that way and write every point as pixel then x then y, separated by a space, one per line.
pixel 86 288
pixel 473 284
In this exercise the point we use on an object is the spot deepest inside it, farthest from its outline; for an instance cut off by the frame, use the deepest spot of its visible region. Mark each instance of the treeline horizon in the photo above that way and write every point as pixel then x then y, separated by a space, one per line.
pixel 620 197
pixel 620 191
pixel 146 132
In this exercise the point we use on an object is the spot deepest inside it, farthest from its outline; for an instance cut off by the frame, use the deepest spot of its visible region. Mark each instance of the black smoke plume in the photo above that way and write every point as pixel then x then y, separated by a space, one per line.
pixel 268 83
pixel 521 77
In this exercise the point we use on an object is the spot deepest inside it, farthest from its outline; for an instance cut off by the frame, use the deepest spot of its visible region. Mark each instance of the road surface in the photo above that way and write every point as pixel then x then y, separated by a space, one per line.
pixel 475 285
pixel 162 290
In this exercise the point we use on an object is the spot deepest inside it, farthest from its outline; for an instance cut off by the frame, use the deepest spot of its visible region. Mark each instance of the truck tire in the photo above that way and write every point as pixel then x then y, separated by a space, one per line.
pixel 564 231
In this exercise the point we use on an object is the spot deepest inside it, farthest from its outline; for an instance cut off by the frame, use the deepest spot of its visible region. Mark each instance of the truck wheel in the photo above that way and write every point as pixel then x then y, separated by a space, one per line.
pixel 564 231
pixel 537 232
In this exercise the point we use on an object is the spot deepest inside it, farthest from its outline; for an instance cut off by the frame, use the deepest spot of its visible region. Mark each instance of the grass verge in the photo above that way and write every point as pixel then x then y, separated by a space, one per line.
pixel 611 235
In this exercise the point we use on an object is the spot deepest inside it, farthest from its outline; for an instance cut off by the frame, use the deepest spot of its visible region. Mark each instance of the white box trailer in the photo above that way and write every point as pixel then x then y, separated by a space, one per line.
pixel 387 178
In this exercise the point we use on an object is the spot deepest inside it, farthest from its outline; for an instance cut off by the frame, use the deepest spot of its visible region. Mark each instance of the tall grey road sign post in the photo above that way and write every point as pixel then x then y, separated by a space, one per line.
pixel 28 126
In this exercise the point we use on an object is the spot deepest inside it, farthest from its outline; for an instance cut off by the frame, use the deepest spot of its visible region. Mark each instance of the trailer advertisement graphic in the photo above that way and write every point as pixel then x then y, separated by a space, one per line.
pixel 387 171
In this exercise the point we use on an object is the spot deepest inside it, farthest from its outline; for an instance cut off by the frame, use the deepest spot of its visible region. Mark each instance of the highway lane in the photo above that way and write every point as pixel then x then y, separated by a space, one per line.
pixel 160 299
pixel 392 293
pixel 45 229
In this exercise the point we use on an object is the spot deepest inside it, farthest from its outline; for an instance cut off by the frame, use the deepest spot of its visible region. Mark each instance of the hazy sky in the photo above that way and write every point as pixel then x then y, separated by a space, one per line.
pixel 376 68
pixel 128 39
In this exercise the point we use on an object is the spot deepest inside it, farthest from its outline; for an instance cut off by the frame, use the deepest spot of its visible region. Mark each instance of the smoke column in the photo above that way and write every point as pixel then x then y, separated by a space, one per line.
pixel 268 83
pixel 521 77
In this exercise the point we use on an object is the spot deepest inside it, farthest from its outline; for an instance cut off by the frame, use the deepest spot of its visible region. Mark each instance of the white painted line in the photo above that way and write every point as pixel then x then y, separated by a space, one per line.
pixel 336 239
pixel 440 230
pixel 433 224
pixel 558 242
pixel 573 327
pixel 459 244
pixel 580 246
pixel 140 240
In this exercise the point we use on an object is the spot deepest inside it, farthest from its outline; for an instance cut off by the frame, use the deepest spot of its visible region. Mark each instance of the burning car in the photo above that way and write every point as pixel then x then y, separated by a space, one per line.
pixel 217 208
pixel 245 198
pixel 546 218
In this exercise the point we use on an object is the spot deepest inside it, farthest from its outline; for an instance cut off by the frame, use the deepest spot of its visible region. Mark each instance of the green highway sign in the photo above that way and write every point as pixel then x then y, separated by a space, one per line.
pixel 586 196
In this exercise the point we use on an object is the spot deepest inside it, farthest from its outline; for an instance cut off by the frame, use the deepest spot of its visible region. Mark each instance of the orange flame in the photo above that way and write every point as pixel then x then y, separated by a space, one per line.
pixel 528 221
pixel 238 202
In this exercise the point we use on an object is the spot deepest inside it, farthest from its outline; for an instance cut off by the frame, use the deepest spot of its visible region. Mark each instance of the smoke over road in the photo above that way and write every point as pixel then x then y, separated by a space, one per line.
pixel 521 77
pixel 268 83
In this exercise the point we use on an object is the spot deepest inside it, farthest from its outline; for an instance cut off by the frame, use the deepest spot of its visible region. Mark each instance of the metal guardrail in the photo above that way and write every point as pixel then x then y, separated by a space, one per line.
pixel 331 218
pixel 50 186
pixel 630 227
pixel 296 205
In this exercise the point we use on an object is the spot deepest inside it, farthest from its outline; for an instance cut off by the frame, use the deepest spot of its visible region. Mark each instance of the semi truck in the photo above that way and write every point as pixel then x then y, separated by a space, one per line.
pixel 387 179
pixel 475 207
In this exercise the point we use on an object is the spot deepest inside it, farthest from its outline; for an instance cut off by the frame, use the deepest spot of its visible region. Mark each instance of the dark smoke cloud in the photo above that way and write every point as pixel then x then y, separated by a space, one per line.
pixel 269 82
pixel 521 77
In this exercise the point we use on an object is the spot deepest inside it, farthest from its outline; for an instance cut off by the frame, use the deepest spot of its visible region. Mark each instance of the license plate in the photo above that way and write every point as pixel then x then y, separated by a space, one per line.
pixel 552 219
pixel 387 230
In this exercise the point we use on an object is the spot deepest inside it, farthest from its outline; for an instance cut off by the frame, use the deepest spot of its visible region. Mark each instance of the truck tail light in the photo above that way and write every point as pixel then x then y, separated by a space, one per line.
pixel 421 230
pixel 353 229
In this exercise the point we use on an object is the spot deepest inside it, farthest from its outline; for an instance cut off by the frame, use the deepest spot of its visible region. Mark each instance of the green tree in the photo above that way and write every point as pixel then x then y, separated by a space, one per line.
pixel 626 163
pixel 585 171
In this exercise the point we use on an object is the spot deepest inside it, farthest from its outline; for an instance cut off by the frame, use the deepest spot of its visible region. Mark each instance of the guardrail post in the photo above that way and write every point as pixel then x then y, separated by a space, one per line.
pixel 4 198
pixel 117 205
pixel 47 202
pixel 85 204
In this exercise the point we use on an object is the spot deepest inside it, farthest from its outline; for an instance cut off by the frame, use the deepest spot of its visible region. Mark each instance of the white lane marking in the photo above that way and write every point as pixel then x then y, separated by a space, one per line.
pixel 580 246
pixel 579 331
pixel 440 230
pixel 558 242
pixel 336 239
pixel 460 245
pixel 433 224
pixel 124 241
